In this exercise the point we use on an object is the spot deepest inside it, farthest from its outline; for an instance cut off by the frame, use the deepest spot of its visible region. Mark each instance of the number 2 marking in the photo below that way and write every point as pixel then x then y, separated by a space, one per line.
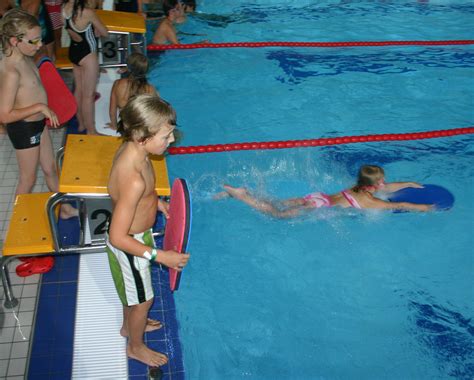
pixel 101 229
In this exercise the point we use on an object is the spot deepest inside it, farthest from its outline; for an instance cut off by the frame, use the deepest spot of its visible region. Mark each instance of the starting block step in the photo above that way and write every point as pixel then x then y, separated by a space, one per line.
pixel 29 231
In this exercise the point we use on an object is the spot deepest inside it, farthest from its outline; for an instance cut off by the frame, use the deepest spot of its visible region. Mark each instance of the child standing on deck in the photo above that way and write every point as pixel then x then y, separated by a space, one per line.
pixel 84 26
pixel 146 126
pixel 125 88
pixel 371 179
pixel 23 105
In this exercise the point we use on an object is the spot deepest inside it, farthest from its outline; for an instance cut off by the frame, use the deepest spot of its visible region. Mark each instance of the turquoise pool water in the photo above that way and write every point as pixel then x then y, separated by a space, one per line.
pixel 338 294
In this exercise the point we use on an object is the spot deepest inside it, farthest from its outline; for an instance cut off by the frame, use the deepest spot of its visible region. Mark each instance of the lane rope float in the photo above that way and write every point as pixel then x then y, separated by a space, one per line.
pixel 211 45
pixel 325 141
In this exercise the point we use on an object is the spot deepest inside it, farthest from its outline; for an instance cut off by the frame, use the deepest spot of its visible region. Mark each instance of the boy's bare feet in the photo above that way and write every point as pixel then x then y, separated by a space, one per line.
pixel 67 211
pixel 147 356
pixel 151 325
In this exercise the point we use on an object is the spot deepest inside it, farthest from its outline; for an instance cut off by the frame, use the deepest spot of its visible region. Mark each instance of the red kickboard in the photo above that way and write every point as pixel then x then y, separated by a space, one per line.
pixel 60 98
pixel 178 226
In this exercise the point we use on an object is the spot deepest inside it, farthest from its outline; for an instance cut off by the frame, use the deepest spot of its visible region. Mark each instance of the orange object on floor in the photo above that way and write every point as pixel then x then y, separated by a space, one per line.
pixel 35 265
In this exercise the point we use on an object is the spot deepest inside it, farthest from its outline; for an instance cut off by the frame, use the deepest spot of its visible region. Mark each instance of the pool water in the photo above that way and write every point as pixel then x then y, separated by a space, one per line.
pixel 335 294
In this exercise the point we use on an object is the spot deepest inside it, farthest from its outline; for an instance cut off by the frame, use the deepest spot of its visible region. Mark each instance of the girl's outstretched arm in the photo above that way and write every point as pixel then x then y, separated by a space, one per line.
pixel 395 186
pixel 376 203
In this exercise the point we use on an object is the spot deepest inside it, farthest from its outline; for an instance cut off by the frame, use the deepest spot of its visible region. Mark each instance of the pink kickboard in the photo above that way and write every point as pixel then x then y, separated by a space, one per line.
pixel 60 98
pixel 178 226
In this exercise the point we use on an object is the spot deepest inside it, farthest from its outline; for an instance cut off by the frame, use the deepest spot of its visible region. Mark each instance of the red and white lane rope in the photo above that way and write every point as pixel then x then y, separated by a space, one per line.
pixel 216 148
pixel 210 45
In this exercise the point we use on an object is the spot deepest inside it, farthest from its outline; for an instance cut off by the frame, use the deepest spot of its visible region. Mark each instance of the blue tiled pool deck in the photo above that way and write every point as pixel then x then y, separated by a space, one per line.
pixel 53 337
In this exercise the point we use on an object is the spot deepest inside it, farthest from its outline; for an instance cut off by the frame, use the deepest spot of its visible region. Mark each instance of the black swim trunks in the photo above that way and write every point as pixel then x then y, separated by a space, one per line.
pixel 25 134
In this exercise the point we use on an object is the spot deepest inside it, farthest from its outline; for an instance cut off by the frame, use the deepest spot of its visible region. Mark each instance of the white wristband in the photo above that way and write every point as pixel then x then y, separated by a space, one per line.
pixel 147 255
pixel 154 253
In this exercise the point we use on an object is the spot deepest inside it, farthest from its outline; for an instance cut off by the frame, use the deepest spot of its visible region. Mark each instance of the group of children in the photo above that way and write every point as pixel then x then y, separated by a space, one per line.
pixel 146 125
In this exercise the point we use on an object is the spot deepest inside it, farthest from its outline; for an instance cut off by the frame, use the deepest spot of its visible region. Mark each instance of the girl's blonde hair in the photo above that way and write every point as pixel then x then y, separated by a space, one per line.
pixel 15 23
pixel 369 175
pixel 143 116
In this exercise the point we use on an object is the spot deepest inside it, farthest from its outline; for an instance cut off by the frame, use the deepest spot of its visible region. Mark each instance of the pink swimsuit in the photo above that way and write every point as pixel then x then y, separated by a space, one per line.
pixel 352 201
pixel 318 200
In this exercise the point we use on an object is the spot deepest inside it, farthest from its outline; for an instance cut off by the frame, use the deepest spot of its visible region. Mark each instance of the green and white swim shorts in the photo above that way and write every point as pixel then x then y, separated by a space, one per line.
pixel 131 274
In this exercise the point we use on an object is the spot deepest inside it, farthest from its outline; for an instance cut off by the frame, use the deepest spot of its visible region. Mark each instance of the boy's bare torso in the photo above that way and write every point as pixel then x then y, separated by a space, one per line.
pixel 127 170
pixel 30 89
pixel 165 33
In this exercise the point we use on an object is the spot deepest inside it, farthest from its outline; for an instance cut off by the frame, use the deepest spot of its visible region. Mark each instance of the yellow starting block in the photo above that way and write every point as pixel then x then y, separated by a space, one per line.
pixel 87 163
pixel 29 232
pixel 124 22
pixel 33 231
pixel 126 35
pixel 33 227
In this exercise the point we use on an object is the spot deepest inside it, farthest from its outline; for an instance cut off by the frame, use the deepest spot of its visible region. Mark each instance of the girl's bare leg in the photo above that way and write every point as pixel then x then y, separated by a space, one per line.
pixel 77 71
pixel 243 195
pixel 264 206
pixel 90 75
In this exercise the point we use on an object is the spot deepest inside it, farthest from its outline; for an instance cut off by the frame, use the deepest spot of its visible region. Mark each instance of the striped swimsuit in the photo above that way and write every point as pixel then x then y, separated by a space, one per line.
pixel 131 274
pixel 87 45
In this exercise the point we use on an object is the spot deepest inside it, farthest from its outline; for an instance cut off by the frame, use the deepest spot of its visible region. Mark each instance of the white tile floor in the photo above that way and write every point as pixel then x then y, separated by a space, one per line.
pixel 16 324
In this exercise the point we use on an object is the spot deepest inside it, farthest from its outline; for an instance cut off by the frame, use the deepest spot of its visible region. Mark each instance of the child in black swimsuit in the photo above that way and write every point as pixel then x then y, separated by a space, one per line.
pixel 23 106
pixel 83 26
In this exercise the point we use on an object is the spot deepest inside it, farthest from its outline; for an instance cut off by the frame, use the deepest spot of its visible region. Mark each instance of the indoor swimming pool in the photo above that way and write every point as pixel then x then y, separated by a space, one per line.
pixel 335 294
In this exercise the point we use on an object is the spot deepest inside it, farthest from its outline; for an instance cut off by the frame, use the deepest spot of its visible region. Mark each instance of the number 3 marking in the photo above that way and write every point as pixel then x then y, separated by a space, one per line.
pixel 109 49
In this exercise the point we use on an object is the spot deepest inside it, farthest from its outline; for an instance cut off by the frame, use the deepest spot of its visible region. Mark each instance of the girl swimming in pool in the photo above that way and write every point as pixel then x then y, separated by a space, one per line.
pixel 370 180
